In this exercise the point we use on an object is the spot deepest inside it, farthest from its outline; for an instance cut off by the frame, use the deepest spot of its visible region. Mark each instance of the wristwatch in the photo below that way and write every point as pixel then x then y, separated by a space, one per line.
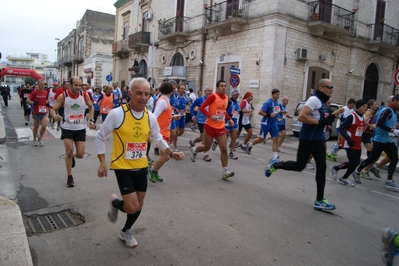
pixel 92 120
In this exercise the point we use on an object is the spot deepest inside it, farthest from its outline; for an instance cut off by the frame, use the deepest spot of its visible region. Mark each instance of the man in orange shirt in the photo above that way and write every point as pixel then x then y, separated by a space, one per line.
pixel 214 108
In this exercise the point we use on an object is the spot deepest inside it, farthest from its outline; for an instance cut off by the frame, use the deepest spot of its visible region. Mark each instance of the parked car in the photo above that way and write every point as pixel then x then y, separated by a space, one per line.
pixel 296 125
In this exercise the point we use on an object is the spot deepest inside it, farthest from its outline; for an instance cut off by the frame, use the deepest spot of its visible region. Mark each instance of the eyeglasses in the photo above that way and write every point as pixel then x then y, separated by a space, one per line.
pixel 330 87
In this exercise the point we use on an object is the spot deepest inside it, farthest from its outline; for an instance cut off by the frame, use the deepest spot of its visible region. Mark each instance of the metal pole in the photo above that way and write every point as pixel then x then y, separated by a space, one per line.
pixel 153 48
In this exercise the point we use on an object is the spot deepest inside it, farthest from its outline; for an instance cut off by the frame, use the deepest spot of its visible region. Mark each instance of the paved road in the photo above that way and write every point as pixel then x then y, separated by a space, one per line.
pixel 196 218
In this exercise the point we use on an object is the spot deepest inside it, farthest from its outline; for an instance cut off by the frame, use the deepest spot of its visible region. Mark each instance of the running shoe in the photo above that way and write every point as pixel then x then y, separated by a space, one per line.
pixel 238 144
pixel 73 162
pixel 323 205
pixel 154 176
pixel 331 157
pixel 127 237
pixel 391 186
pixel 70 182
pixel 346 182
pixel 26 123
pixel 35 143
pixel 269 170
pixel 214 145
pixel 309 166
pixel 192 154
pixel 244 148
pixel 52 126
pixel 248 149
pixel 227 174
pixel 335 149
pixel 58 128
pixel 232 156
pixel 389 249
pixel 365 175
pixel 333 173
pixel 112 211
pixel 193 128
pixel 41 144
pixel 356 177
pixel 375 171
pixel 175 149
pixel 156 151
pixel 278 149
pixel 207 158
pixel 192 144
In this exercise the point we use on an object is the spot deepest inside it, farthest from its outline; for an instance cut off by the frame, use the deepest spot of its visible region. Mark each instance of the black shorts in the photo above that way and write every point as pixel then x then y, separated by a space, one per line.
pixel 75 135
pixel 366 137
pixel 246 127
pixel 86 111
pixel 27 110
pixel 281 127
pixel 131 181
pixel 201 127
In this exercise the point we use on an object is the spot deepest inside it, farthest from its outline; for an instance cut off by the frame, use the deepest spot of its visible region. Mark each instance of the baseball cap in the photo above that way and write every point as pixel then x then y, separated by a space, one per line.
pixel 55 83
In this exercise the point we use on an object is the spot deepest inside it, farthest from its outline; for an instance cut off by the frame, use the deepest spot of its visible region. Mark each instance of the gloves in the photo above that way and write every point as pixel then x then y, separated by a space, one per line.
pixel 351 143
pixel 326 121
pixel 35 103
pixel 396 132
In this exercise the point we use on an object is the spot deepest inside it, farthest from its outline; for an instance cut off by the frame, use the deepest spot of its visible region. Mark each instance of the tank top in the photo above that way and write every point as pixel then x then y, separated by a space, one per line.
pixel 165 119
pixel 218 108
pixel 74 109
pixel 355 132
pixel 130 141
pixel 381 135
pixel 106 103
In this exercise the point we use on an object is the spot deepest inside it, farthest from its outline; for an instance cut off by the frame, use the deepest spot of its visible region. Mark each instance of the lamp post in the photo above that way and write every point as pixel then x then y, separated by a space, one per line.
pixel 153 48
pixel 56 60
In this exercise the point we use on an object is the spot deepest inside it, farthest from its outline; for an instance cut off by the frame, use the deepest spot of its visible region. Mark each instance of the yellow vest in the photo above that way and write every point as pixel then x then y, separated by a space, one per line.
pixel 130 142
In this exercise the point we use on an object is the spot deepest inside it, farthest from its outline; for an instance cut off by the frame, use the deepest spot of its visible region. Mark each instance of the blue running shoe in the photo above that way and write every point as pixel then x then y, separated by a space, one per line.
pixel 269 170
pixel 389 250
pixel 375 171
pixel 323 205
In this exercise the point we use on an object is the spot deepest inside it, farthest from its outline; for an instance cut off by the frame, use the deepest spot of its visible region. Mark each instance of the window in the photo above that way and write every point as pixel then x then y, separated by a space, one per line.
pixel 144 21
pixel 125 30
pixel 177 60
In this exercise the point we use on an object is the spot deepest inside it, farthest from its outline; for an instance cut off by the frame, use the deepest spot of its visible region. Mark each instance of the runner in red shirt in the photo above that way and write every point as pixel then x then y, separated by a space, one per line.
pixel 40 108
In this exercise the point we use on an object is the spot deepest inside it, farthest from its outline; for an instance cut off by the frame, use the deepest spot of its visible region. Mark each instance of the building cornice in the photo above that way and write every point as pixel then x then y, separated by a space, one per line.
pixel 120 3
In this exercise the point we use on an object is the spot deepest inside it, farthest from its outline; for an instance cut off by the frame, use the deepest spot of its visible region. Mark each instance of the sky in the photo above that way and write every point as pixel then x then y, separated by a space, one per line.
pixel 28 26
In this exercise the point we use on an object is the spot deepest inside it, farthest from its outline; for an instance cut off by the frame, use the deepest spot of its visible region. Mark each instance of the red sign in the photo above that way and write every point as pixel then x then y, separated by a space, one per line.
pixel 396 77
pixel 234 80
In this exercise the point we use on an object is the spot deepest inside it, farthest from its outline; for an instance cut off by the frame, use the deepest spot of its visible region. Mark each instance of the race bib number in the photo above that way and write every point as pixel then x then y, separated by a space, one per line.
pixel 135 150
pixel 276 109
pixel 105 109
pixel 182 112
pixel 116 97
pixel 235 114
pixel 124 100
pixel 76 119
pixel 359 131
pixel 26 95
pixel 42 109
pixel 220 114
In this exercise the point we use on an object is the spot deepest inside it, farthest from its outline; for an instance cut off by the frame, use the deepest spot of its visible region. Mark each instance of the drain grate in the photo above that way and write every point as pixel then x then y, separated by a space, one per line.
pixel 45 223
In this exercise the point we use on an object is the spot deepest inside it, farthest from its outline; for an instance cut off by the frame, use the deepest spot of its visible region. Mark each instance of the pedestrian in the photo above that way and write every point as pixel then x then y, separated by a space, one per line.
pixel 383 141
pixel 51 101
pixel 65 86
pixel 23 96
pixel 281 120
pixel 314 116
pixel 199 118
pixel 96 96
pixel 39 114
pixel 351 130
pixel 245 116
pixel 116 95
pixel 233 110
pixel 6 95
pixel 128 158
pixel 269 112
pixel 163 114
pixel 214 108
pixel 106 102
pixel 73 123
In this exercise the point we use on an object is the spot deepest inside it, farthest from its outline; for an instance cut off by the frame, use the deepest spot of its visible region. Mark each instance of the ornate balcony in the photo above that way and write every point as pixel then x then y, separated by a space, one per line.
pixel 173 29
pixel 226 17
pixel 383 37
pixel 139 41
pixel 326 18
pixel 78 57
pixel 66 60
pixel 120 48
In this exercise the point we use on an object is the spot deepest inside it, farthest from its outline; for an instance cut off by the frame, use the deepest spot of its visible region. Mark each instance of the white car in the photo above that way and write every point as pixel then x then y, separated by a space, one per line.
pixel 296 125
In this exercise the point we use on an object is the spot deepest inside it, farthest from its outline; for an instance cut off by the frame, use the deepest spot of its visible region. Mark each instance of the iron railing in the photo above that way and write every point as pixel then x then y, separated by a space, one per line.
pixel 384 32
pixel 120 46
pixel 173 25
pixel 141 37
pixel 226 10
pixel 329 13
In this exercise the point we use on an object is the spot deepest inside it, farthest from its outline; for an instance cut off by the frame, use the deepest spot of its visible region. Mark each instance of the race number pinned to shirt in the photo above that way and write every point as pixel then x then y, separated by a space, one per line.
pixel 235 114
pixel 220 114
pixel 276 109
pixel 359 131
pixel 76 118
pixel 42 109
pixel 135 150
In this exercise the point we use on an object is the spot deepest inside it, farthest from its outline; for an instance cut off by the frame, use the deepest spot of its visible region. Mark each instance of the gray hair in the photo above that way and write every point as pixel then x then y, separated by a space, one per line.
pixel 135 81
pixel 173 82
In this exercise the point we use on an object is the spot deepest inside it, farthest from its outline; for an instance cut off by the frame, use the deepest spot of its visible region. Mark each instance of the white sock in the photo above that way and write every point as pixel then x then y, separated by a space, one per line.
pixel 224 169
pixel 275 155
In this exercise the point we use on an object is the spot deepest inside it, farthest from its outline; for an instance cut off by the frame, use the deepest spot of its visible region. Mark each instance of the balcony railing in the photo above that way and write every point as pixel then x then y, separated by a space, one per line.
pixel 323 12
pixel 384 33
pixel 66 59
pixel 176 24
pixel 79 56
pixel 18 65
pixel 226 10
pixel 137 38
pixel 120 46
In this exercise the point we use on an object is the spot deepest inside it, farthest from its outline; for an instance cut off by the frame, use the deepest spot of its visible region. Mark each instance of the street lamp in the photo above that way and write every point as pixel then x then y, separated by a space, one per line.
pixel 55 61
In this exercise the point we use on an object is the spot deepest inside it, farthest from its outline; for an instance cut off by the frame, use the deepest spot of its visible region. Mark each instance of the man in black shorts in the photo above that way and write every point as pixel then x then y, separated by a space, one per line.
pixel 128 158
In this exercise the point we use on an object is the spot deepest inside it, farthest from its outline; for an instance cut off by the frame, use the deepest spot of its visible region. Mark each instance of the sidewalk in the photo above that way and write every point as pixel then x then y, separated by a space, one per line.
pixel 14 246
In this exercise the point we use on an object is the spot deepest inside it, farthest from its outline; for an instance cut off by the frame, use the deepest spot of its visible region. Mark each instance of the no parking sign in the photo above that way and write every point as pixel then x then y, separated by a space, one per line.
pixel 396 77
pixel 234 80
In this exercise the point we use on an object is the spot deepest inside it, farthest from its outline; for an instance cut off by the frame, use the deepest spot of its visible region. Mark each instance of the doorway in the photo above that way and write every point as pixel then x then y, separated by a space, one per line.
pixel 223 73
pixel 370 88
pixel 314 75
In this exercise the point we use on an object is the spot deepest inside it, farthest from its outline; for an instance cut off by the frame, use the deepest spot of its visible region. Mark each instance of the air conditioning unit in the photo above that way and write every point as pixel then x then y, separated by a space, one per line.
pixel 148 16
pixel 301 54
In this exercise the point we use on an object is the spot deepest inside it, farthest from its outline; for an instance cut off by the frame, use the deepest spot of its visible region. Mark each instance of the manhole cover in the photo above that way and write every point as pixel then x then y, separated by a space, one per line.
pixel 49 222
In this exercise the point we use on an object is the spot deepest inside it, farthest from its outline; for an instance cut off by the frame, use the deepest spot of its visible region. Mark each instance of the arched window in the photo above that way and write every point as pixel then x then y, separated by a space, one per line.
pixel 143 68
pixel 177 60
pixel 371 83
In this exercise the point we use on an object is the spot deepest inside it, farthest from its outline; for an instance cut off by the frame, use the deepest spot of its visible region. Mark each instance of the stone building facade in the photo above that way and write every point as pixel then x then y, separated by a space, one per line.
pixel 284 44
pixel 86 51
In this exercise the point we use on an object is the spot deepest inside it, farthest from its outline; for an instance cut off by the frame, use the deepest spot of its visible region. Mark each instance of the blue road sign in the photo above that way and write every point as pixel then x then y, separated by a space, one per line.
pixel 108 78
pixel 234 70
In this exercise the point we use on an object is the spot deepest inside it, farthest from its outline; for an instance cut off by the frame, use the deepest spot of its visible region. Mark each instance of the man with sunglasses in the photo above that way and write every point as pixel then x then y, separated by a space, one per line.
pixel 314 116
